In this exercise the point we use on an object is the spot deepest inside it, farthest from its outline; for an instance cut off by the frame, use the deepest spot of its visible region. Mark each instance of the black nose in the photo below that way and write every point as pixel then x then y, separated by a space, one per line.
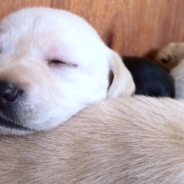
pixel 9 93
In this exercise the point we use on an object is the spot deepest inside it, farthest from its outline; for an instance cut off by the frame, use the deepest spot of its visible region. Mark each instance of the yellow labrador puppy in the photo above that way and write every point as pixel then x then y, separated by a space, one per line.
pixel 118 141
pixel 172 58
pixel 53 64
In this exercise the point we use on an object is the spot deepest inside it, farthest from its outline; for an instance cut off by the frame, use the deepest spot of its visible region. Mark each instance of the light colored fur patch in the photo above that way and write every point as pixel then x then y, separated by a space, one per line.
pixel 136 140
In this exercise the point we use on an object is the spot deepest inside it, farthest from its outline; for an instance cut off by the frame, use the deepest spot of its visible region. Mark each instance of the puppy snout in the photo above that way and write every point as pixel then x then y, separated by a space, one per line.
pixel 9 93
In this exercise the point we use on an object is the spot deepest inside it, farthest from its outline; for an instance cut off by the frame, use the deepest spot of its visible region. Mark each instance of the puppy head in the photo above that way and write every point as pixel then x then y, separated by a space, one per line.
pixel 52 64
pixel 170 55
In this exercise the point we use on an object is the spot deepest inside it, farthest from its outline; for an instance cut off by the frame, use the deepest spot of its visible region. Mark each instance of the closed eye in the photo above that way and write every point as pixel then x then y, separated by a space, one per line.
pixel 164 61
pixel 56 62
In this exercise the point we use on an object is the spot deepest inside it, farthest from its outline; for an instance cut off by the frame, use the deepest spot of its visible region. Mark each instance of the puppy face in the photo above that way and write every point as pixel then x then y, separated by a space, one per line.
pixel 171 55
pixel 172 58
pixel 52 64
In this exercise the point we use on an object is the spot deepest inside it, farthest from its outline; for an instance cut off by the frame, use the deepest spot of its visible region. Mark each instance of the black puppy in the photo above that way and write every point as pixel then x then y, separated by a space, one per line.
pixel 150 78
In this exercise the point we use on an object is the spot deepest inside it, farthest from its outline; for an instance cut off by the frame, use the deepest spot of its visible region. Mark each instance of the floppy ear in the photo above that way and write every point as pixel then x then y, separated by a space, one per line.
pixel 122 83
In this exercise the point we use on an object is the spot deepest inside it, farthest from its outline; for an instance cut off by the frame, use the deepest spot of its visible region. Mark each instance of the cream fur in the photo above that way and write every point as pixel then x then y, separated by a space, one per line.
pixel 172 58
pixel 124 141
pixel 30 39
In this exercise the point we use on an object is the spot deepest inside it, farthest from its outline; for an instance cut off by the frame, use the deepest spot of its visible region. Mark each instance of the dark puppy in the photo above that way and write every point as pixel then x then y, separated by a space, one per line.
pixel 150 78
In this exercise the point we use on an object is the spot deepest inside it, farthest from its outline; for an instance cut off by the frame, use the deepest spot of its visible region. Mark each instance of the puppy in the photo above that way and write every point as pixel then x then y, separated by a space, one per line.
pixel 52 65
pixel 117 141
pixel 150 78
pixel 172 58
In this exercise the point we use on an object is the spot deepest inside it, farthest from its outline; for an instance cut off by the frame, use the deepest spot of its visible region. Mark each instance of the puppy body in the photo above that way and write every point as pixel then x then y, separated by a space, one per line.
pixel 172 58
pixel 60 63
pixel 150 78
pixel 178 74
pixel 115 141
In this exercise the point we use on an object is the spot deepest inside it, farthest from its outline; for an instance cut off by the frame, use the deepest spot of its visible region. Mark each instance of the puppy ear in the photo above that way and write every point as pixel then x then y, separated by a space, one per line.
pixel 122 82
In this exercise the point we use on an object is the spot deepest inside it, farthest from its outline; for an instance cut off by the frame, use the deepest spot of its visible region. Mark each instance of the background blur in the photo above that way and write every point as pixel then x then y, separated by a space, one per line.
pixel 130 27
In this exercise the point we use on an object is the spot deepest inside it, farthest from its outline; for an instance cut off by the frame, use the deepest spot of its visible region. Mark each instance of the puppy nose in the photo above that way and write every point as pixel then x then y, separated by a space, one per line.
pixel 9 92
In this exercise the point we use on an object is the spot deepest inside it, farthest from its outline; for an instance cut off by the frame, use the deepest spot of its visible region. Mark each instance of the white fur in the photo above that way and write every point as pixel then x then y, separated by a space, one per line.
pixel 29 40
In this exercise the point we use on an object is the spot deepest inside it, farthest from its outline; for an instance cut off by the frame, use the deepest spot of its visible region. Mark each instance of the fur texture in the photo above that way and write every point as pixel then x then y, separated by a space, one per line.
pixel 172 58
pixel 131 141
pixel 59 63
pixel 150 78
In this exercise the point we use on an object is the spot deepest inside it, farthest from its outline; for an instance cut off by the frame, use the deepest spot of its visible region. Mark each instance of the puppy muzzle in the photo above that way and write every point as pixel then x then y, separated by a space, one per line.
pixel 10 94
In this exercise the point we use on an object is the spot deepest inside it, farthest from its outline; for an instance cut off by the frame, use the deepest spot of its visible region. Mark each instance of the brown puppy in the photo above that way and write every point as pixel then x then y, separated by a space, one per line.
pixel 124 141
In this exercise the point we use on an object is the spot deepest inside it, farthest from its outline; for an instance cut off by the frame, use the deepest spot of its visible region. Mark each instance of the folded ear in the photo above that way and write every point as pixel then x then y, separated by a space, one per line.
pixel 122 83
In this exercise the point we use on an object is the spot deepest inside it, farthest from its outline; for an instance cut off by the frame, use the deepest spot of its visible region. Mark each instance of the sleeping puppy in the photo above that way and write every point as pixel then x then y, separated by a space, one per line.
pixel 52 65
pixel 150 78
pixel 172 58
